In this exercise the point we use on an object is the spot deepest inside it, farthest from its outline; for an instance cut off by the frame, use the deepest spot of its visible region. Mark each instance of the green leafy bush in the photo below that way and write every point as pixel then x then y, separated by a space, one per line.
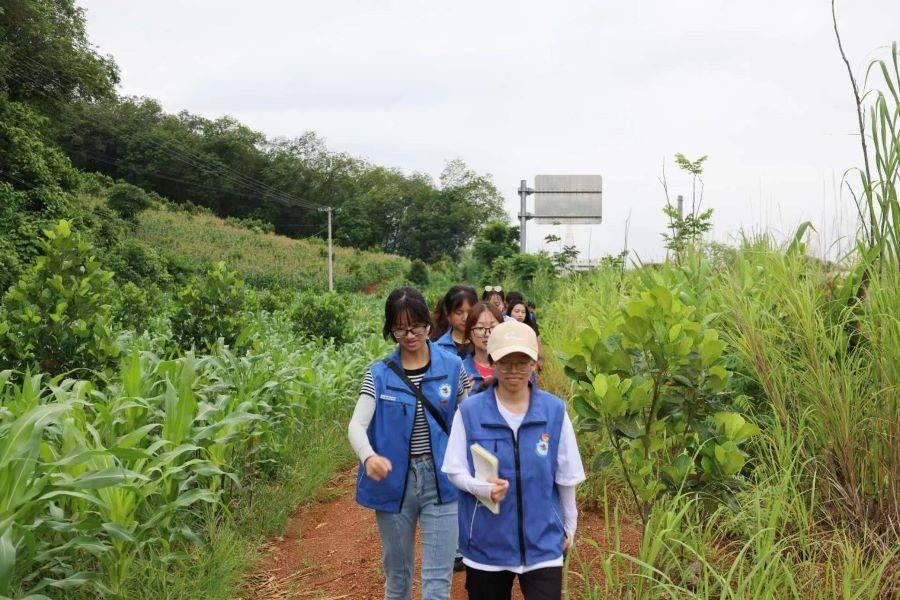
pixel 652 377
pixel 418 273
pixel 128 201
pixel 209 308
pixel 521 267
pixel 135 308
pixel 134 261
pixel 58 316
pixel 321 316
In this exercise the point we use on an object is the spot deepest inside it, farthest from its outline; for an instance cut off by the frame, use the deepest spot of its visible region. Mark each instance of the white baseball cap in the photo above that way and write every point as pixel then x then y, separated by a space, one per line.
pixel 510 337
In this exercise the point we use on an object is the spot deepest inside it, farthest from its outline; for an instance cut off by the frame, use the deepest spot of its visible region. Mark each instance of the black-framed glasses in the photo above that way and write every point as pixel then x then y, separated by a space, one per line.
pixel 415 331
pixel 493 288
pixel 482 331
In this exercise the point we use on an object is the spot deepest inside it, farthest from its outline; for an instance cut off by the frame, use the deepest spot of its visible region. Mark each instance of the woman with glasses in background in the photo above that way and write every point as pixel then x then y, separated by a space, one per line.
pixel 530 434
pixel 399 431
pixel 481 322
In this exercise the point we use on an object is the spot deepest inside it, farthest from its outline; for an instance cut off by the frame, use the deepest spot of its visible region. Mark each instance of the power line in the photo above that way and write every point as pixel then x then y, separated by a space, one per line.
pixel 180 153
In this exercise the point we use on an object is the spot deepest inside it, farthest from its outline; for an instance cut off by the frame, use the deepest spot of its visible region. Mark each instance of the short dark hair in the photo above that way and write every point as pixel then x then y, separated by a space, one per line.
pixel 513 297
pixel 405 300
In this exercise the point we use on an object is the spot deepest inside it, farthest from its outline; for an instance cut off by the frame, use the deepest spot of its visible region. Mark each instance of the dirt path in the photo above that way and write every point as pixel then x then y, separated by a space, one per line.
pixel 330 551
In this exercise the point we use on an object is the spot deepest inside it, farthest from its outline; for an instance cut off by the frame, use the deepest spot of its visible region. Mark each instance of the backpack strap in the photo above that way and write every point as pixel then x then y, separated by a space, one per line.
pixel 426 403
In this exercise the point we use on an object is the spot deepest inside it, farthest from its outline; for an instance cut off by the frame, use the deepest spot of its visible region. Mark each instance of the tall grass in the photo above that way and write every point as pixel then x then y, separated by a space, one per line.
pixel 817 516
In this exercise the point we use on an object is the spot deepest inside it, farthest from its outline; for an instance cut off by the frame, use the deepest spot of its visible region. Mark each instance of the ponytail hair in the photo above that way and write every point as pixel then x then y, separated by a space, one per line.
pixel 453 299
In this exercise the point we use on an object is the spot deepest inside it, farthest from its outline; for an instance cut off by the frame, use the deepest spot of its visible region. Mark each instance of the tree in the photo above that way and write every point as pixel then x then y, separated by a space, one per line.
pixel 46 59
pixel 686 231
pixel 128 201
pixel 496 240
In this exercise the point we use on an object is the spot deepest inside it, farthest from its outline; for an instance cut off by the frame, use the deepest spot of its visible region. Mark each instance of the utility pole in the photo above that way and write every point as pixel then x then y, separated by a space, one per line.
pixel 680 207
pixel 330 210
pixel 524 192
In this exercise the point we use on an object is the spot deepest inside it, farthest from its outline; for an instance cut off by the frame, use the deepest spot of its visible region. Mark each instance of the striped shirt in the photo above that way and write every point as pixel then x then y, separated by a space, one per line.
pixel 421 434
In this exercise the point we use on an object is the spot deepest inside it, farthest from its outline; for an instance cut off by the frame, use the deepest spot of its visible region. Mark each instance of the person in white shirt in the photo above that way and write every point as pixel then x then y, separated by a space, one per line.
pixel 531 435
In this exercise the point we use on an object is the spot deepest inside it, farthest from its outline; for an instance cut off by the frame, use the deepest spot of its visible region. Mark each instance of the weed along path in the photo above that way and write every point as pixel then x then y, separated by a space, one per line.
pixel 330 550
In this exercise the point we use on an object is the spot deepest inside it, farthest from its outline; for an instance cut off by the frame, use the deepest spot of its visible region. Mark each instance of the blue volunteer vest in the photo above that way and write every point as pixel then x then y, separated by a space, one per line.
pixel 390 430
pixel 529 528
pixel 446 343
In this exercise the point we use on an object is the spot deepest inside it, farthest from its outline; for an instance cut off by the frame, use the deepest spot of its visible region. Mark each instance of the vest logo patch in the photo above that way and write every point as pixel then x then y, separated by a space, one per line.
pixel 444 392
pixel 386 397
pixel 543 446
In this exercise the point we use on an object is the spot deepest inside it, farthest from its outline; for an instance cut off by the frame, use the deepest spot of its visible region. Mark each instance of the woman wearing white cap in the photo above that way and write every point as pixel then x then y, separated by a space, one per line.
pixel 529 432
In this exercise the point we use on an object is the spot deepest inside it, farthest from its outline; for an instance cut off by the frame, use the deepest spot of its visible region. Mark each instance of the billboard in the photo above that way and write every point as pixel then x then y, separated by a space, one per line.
pixel 571 199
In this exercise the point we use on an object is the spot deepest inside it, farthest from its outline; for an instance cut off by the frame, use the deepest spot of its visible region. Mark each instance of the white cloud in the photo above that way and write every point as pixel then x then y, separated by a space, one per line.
pixel 521 88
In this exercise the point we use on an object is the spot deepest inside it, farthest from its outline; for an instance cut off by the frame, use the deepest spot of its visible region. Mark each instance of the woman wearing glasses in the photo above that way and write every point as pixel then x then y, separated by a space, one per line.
pixel 399 431
pixel 529 432
pixel 481 322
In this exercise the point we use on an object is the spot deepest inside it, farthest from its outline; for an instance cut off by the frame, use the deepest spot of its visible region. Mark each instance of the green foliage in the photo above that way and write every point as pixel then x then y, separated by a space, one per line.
pixel 324 316
pixel 210 308
pixel 128 201
pixel 522 268
pixel 686 232
pixel 46 57
pixel 139 263
pixel 96 482
pixel 58 313
pixel 653 378
pixel 254 225
pixel 878 200
pixel 497 239
pixel 418 273
pixel 137 308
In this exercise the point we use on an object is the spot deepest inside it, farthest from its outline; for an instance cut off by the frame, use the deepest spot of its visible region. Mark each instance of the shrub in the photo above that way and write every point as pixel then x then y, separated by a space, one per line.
pixel 321 316
pixel 135 309
pixel 128 201
pixel 209 308
pixel 653 378
pixel 418 273
pixel 58 315
pixel 521 267
pixel 133 261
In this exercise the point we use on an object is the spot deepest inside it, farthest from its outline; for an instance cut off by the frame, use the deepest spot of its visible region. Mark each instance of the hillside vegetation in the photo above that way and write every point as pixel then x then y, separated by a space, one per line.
pixel 264 258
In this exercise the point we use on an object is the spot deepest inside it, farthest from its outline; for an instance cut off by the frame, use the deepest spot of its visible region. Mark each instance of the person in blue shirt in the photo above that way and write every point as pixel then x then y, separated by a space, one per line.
pixel 529 432
pixel 399 431
pixel 450 319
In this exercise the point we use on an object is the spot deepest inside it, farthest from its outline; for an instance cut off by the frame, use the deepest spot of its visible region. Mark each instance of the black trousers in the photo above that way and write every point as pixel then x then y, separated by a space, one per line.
pixel 541 584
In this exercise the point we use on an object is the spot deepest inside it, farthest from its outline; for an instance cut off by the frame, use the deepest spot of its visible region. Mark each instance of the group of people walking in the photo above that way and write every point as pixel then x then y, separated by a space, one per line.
pixel 466 374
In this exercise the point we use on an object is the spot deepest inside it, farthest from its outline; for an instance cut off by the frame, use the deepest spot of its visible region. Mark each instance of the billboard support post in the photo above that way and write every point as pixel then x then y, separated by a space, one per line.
pixel 524 192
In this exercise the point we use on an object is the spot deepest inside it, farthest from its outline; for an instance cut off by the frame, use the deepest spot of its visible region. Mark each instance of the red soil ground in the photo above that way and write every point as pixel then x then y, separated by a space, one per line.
pixel 330 550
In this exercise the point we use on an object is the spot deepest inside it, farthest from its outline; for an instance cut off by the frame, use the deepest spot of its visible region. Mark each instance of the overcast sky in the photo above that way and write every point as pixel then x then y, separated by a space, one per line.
pixel 523 88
